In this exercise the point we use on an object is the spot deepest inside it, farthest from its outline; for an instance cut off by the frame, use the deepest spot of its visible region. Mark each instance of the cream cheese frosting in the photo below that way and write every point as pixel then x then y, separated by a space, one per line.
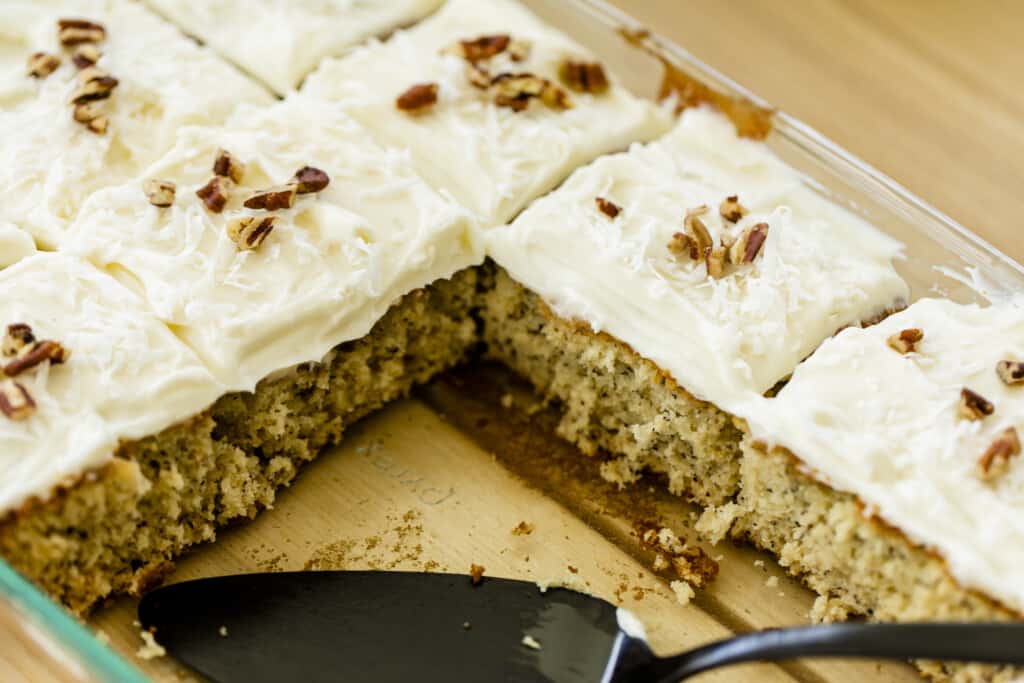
pixel 871 421
pixel 492 159
pixel 281 41
pixel 49 163
pixel 15 244
pixel 127 375
pixel 723 340
pixel 333 265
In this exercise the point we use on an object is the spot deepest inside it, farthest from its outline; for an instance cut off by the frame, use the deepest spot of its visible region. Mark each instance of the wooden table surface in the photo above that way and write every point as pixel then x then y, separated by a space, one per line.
pixel 930 93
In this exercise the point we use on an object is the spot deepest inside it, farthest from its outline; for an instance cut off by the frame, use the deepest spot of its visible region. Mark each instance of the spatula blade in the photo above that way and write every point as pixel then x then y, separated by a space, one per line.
pixel 380 626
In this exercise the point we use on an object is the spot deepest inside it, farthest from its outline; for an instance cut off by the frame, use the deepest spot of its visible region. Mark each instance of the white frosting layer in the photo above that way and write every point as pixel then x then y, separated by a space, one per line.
pixel 49 163
pixel 127 375
pixel 281 41
pixel 723 340
pixel 15 244
pixel 492 159
pixel 333 265
pixel 883 426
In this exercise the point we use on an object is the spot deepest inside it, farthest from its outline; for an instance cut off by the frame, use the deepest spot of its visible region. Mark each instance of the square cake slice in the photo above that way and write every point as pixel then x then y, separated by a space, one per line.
pixel 280 42
pixel 657 290
pixel 88 364
pixel 494 106
pixel 888 473
pixel 93 91
pixel 288 232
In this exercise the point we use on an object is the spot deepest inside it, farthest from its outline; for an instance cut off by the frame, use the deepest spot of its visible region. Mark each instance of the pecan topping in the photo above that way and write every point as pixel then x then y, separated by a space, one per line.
pixel 228 166
pixel 159 192
pixel 19 335
pixel 516 90
pixel 974 406
pixel 417 99
pixel 308 179
pixel 77 31
pixel 906 340
pixel 273 198
pixel 746 248
pixel 683 245
pixel 696 226
pixel 97 84
pixel 41 64
pixel 583 76
pixel 478 76
pixel 1010 371
pixel 996 457
pixel 85 55
pixel 35 353
pixel 554 97
pixel 606 207
pixel 98 125
pixel 714 258
pixel 248 232
pixel 519 50
pixel 484 47
pixel 215 193
pixel 87 111
pixel 731 209
pixel 15 401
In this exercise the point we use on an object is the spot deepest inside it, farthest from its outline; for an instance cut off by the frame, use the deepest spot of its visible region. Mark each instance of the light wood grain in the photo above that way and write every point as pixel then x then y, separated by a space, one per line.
pixel 930 93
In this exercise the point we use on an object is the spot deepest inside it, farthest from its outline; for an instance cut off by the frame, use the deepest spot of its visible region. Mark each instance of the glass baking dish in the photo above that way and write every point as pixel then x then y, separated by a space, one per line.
pixel 942 258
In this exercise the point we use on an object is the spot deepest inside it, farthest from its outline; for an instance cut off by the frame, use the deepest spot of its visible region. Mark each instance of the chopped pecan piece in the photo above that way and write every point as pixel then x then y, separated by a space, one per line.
pixel 996 457
pixel 309 179
pixel 714 258
pixel 35 353
pixel 42 64
pixel 248 232
pixel 974 406
pixel 583 76
pixel 683 245
pixel 694 566
pixel 87 111
pixel 96 84
pixel 731 209
pixel 906 340
pixel 227 165
pixel 15 401
pixel 19 335
pixel 215 193
pixel 85 56
pixel 516 90
pixel 98 125
pixel 77 31
pixel 554 97
pixel 159 192
pixel 476 573
pixel 484 47
pixel 418 98
pixel 1010 371
pixel 746 248
pixel 478 76
pixel 273 198
pixel 519 50
pixel 607 207
pixel 695 225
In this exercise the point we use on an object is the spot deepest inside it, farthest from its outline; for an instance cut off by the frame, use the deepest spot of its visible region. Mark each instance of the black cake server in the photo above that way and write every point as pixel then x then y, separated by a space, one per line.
pixel 358 626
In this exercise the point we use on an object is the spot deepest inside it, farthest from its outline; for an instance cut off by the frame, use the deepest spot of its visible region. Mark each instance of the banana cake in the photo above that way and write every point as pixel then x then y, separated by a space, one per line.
pixel 204 286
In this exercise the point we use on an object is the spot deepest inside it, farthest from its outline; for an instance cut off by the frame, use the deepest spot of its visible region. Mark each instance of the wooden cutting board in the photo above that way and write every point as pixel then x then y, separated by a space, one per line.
pixel 442 480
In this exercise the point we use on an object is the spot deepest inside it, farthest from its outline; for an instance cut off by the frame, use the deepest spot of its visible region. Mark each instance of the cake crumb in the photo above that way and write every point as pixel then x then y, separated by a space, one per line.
pixel 759 564
pixel 772 581
pixel 567 582
pixel 684 592
pixel 476 573
pixel 150 648
pixel 827 610
pixel 507 400
pixel 660 562
pixel 223 631
pixel 523 529
pixel 102 636
pixel 714 524
pixel 572 569
pixel 530 642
